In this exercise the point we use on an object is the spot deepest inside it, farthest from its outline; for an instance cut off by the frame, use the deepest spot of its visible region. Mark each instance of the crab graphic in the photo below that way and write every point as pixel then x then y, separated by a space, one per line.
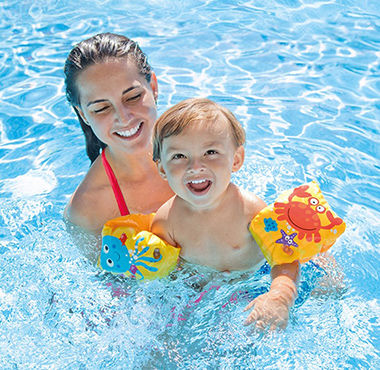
pixel 115 256
pixel 305 218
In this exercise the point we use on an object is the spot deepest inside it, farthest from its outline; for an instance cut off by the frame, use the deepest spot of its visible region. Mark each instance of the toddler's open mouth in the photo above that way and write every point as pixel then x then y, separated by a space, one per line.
pixel 199 187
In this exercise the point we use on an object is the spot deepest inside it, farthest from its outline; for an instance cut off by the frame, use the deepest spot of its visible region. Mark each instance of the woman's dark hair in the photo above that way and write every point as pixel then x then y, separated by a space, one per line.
pixel 98 49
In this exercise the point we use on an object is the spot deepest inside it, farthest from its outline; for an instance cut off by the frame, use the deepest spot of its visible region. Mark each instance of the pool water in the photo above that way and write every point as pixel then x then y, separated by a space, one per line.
pixel 302 76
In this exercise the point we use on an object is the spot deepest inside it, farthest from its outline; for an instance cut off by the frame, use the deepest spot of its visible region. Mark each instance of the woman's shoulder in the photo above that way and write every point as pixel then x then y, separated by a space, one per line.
pixel 91 204
pixel 82 210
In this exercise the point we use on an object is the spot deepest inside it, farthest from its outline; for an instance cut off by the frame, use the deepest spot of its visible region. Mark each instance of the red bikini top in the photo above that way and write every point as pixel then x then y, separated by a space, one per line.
pixel 115 186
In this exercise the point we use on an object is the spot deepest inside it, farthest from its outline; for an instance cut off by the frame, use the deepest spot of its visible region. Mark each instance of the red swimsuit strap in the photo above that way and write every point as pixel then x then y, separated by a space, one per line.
pixel 115 186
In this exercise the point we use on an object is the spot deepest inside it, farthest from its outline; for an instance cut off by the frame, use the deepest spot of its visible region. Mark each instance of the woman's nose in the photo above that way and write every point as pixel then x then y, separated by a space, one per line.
pixel 124 114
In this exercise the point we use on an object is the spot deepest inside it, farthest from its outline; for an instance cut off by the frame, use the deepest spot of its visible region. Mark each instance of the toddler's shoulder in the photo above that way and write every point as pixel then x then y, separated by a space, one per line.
pixel 164 212
pixel 252 203
pixel 162 223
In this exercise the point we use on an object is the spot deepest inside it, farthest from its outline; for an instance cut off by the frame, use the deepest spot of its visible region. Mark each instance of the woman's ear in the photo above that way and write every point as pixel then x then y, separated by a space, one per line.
pixel 154 86
pixel 161 170
pixel 238 158
pixel 80 112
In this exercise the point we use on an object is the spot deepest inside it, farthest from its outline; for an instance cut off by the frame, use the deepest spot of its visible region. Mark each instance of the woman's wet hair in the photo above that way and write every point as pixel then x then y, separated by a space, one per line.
pixel 95 50
pixel 180 116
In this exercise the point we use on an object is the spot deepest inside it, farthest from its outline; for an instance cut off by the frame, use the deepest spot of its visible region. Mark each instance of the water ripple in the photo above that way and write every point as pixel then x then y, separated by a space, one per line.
pixel 303 78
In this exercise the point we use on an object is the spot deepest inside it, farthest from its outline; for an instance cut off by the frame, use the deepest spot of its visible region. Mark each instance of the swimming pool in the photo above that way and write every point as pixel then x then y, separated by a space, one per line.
pixel 302 76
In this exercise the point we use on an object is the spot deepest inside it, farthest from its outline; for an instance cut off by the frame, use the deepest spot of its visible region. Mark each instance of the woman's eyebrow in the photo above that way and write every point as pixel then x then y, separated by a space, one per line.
pixel 103 100
pixel 95 101
pixel 130 89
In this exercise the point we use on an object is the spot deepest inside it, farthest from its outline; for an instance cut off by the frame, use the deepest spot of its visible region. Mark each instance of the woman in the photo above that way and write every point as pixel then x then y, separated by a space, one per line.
pixel 114 92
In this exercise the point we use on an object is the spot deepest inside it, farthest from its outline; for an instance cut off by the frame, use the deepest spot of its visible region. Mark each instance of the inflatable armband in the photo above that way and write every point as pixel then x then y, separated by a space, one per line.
pixel 129 249
pixel 299 225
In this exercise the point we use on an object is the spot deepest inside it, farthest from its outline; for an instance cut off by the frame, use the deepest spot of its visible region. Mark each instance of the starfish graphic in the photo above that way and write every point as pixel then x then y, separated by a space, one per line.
pixel 287 241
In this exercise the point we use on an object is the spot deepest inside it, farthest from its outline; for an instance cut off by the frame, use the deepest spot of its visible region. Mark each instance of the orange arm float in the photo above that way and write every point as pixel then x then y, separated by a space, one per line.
pixel 130 250
pixel 299 225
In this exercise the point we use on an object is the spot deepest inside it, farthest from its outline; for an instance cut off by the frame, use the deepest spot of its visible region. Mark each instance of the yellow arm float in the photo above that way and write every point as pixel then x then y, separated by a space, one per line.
pixel 129 249
pixel 299 225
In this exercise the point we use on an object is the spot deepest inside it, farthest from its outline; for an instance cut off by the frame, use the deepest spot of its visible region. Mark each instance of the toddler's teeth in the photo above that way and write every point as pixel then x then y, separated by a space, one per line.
pixel 197 181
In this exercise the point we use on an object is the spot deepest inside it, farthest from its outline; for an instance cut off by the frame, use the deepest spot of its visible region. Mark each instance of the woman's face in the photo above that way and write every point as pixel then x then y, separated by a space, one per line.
pixel 119 104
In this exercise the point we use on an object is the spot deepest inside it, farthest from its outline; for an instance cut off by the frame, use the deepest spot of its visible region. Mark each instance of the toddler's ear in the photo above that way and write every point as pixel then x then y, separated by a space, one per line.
pixel 238 158
pixel 161 170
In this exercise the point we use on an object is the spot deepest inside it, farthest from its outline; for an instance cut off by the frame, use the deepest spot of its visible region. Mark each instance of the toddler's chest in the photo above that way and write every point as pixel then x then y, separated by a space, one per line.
pixel 222 249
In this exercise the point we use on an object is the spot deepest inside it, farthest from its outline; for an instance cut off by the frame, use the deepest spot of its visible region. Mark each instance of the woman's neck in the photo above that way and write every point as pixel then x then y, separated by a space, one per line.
pixel 134 167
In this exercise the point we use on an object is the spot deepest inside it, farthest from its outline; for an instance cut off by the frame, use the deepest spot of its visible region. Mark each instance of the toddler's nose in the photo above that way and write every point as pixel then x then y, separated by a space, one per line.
pixel 196 165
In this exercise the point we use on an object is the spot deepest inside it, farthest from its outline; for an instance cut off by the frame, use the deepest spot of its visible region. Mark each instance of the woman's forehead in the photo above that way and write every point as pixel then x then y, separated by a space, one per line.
pixel 111 76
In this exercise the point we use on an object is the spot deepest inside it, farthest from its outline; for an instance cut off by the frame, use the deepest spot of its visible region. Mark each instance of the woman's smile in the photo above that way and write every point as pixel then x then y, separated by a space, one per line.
pixel 131 133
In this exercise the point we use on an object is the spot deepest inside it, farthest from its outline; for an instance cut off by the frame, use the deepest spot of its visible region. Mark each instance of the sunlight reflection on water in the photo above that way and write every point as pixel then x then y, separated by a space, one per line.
pixel 303 78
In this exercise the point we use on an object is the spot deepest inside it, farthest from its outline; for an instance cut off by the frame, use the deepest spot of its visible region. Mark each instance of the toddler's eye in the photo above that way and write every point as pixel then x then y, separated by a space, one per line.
pixel 178 156
pixel 211 152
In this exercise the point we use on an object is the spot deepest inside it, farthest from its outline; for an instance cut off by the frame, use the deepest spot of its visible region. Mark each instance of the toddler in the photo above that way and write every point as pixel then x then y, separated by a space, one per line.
pixel 197 144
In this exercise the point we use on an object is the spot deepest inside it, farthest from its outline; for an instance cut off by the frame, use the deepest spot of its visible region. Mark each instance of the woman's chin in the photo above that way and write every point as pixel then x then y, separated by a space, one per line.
pixel 139 145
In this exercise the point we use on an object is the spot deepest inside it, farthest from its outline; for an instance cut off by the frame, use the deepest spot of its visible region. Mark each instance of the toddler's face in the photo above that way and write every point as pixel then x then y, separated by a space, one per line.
pixel 198 162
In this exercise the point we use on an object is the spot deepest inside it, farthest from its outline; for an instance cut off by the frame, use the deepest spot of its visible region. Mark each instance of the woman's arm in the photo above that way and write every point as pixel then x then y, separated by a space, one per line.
pixel 85 216
pixel 88 243
pixel 85 212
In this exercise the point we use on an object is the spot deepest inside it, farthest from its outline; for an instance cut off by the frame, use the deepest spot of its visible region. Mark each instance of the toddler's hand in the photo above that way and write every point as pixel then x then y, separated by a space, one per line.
pixel 271 311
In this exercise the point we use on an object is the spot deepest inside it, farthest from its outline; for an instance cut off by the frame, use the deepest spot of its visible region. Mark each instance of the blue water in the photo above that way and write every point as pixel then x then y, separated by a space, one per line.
pixel 304 79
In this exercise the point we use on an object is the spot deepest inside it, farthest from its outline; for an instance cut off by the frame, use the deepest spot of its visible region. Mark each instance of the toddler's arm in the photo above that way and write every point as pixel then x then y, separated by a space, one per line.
pixel 271 310
pixel 161 224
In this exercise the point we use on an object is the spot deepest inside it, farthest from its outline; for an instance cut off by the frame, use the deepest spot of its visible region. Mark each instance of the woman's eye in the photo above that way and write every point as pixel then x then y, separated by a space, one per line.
pixel 103 109
pixel 133 98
